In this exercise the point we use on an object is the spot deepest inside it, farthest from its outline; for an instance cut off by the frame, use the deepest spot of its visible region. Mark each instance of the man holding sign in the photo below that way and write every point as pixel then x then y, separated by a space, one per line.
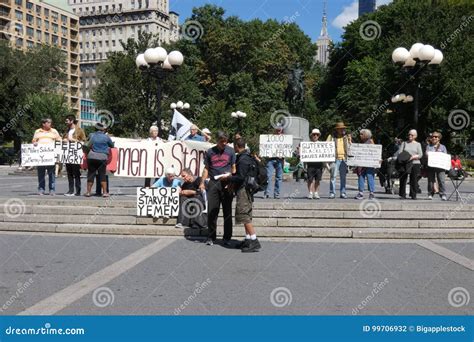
pixel 73 134
pixel 313 155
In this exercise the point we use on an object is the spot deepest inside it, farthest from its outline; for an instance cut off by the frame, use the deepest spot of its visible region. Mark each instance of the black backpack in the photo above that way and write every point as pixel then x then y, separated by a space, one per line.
pixel 256 179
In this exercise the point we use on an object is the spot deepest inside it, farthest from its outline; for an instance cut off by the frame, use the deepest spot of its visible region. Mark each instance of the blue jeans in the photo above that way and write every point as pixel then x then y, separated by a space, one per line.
pixel 370 173
pixel 277 166
pixel 51 177
pixel 341 167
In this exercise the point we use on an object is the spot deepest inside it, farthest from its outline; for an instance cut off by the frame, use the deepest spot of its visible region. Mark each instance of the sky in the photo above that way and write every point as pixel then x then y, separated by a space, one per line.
pixel 306 13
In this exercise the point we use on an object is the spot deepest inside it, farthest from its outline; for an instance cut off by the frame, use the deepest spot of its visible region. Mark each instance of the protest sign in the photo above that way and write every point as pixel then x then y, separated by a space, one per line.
pixel 317 151
pixel 280 146
pixel 439 160
pixel 69 152
pixel 364 155
pixel 40 155
pixel 157 202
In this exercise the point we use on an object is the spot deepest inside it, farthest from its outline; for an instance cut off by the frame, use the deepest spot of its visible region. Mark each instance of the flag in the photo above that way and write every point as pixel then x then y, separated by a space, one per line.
pixel 180 127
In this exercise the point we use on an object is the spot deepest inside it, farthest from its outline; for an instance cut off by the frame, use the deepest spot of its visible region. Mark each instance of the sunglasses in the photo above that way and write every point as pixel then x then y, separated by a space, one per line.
pixel 435 136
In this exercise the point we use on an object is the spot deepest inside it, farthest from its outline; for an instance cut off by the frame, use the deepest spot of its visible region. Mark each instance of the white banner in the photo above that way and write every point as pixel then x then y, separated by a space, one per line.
pixel 439 160
pixel 180 127
pixel 157 202
pixel 150 159
pixel 280 146
pixel 317 151
pixel 40 155
pixel 364 155
pixel 69 152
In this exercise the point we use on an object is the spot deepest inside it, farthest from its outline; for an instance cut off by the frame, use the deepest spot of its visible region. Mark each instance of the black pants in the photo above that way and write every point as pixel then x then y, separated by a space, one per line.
pixel 98 187
pixel 414 174
pixel 216 194
pixel 74 177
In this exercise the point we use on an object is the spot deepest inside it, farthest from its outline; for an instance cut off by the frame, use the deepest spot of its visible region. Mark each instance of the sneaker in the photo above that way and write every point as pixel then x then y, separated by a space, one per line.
pixel 430 197
pixel 444 198
pixel 52 193
pixel 316 196
pixel 243 243
pixel 276 197
pixel 226 242
pixel 310 195
pixel 343 195
pixel 371 196
pixel 253 246
pixel 77 194
pixel 178 225
pixel 266 196
pixel 69 194
pixel 209 242
pixel 41 193
pixel 332 196
pixel 359 196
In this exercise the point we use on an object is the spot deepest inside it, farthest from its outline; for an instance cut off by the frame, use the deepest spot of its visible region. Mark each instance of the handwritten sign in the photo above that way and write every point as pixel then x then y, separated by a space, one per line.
pixel 317 151
pixel 143 158
pixel 69 152
pixel 40 155
pixel 439 160
pixel 157 202
pixel 276 146
pixel 364 155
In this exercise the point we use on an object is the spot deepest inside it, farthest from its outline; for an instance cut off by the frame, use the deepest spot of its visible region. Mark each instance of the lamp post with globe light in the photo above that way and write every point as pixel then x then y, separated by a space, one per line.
pixel 415 62
pixel 239 116
pixel 158 63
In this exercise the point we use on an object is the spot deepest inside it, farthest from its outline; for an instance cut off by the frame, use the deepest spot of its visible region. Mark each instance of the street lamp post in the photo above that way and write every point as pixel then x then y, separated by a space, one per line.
pixel 180 105
pixel 239 116
pixel 414 63
pixel 157 63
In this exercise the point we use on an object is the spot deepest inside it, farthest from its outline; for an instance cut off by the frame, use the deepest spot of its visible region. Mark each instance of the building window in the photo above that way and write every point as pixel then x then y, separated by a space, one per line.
pixel 38 22
pixel 29 44
pixel 46 12
pixel 19 15
pixel 64 42
pixel 19 42
pixel 30 32
pixel 29 5
pixel 54 15
pixel 113 42
pixel 55 40
pixel 55 28
pixel 64 19
pixel 38 34
pixel 64 30
pixel 38 9
pixel 19 2
pixel 46 37
pixel 46 24
pixel 29 18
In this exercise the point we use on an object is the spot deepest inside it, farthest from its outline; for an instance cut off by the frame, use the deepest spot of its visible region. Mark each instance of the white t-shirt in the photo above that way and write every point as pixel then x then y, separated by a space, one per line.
pixel 70 133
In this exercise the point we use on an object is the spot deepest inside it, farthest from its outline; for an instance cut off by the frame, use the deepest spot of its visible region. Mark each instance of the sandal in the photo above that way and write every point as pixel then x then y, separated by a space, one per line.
pixel 87 194
pixel 105 195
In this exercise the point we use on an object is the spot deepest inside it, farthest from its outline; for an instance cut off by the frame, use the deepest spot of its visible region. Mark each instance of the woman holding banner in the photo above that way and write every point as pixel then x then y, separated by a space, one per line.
pixel 435 173
pixel 73 134
pixel 412 166
pixel 363 172
pixel 153 137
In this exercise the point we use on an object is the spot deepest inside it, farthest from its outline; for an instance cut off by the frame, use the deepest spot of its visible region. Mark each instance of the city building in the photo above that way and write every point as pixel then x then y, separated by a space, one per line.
pixel 366 6
pixel 27 23
pixel 105 24
pixel 322 54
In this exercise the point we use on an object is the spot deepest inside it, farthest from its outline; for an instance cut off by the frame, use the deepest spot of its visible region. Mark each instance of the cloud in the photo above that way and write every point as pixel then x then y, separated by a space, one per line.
pixel 349 13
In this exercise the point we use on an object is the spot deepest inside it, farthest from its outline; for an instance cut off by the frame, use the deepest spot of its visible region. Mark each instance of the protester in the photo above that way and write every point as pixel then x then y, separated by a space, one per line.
pixel 274 165
pixel 194 136
pixel 342 141
pixel 436 173
pixel 73 134
pixel 363 172
pixel 192 204
pixel 169 180
pixel 207 134
pixel 154 131
pixel 245 165
pixel 219 161
pixel 45 135
pixel 99 145
pixel 413 166
pixel 314 170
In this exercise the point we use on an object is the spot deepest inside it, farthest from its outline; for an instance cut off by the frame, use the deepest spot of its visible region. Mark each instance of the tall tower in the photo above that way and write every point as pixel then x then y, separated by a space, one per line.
pixel 322 54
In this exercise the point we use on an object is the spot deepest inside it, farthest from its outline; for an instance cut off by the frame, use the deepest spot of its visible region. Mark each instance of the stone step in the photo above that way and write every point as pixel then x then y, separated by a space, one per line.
pixel 289 232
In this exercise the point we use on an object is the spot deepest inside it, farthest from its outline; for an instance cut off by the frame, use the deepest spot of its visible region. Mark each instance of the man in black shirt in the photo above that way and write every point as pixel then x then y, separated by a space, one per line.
pixel 219 165
pixel 191 202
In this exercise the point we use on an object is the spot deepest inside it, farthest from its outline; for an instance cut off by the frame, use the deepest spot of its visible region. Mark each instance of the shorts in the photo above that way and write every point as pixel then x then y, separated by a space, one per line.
pixel 243 207
pixel 315 173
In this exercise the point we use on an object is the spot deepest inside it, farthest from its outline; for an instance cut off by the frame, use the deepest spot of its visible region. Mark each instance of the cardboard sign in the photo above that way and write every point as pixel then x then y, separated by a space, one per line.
pixel 280 146
pixel 439 160
pixel 69 152
pixel 40 155
pixel 317 151
pixel 157 202
pixel 364 155
pixel 150 159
